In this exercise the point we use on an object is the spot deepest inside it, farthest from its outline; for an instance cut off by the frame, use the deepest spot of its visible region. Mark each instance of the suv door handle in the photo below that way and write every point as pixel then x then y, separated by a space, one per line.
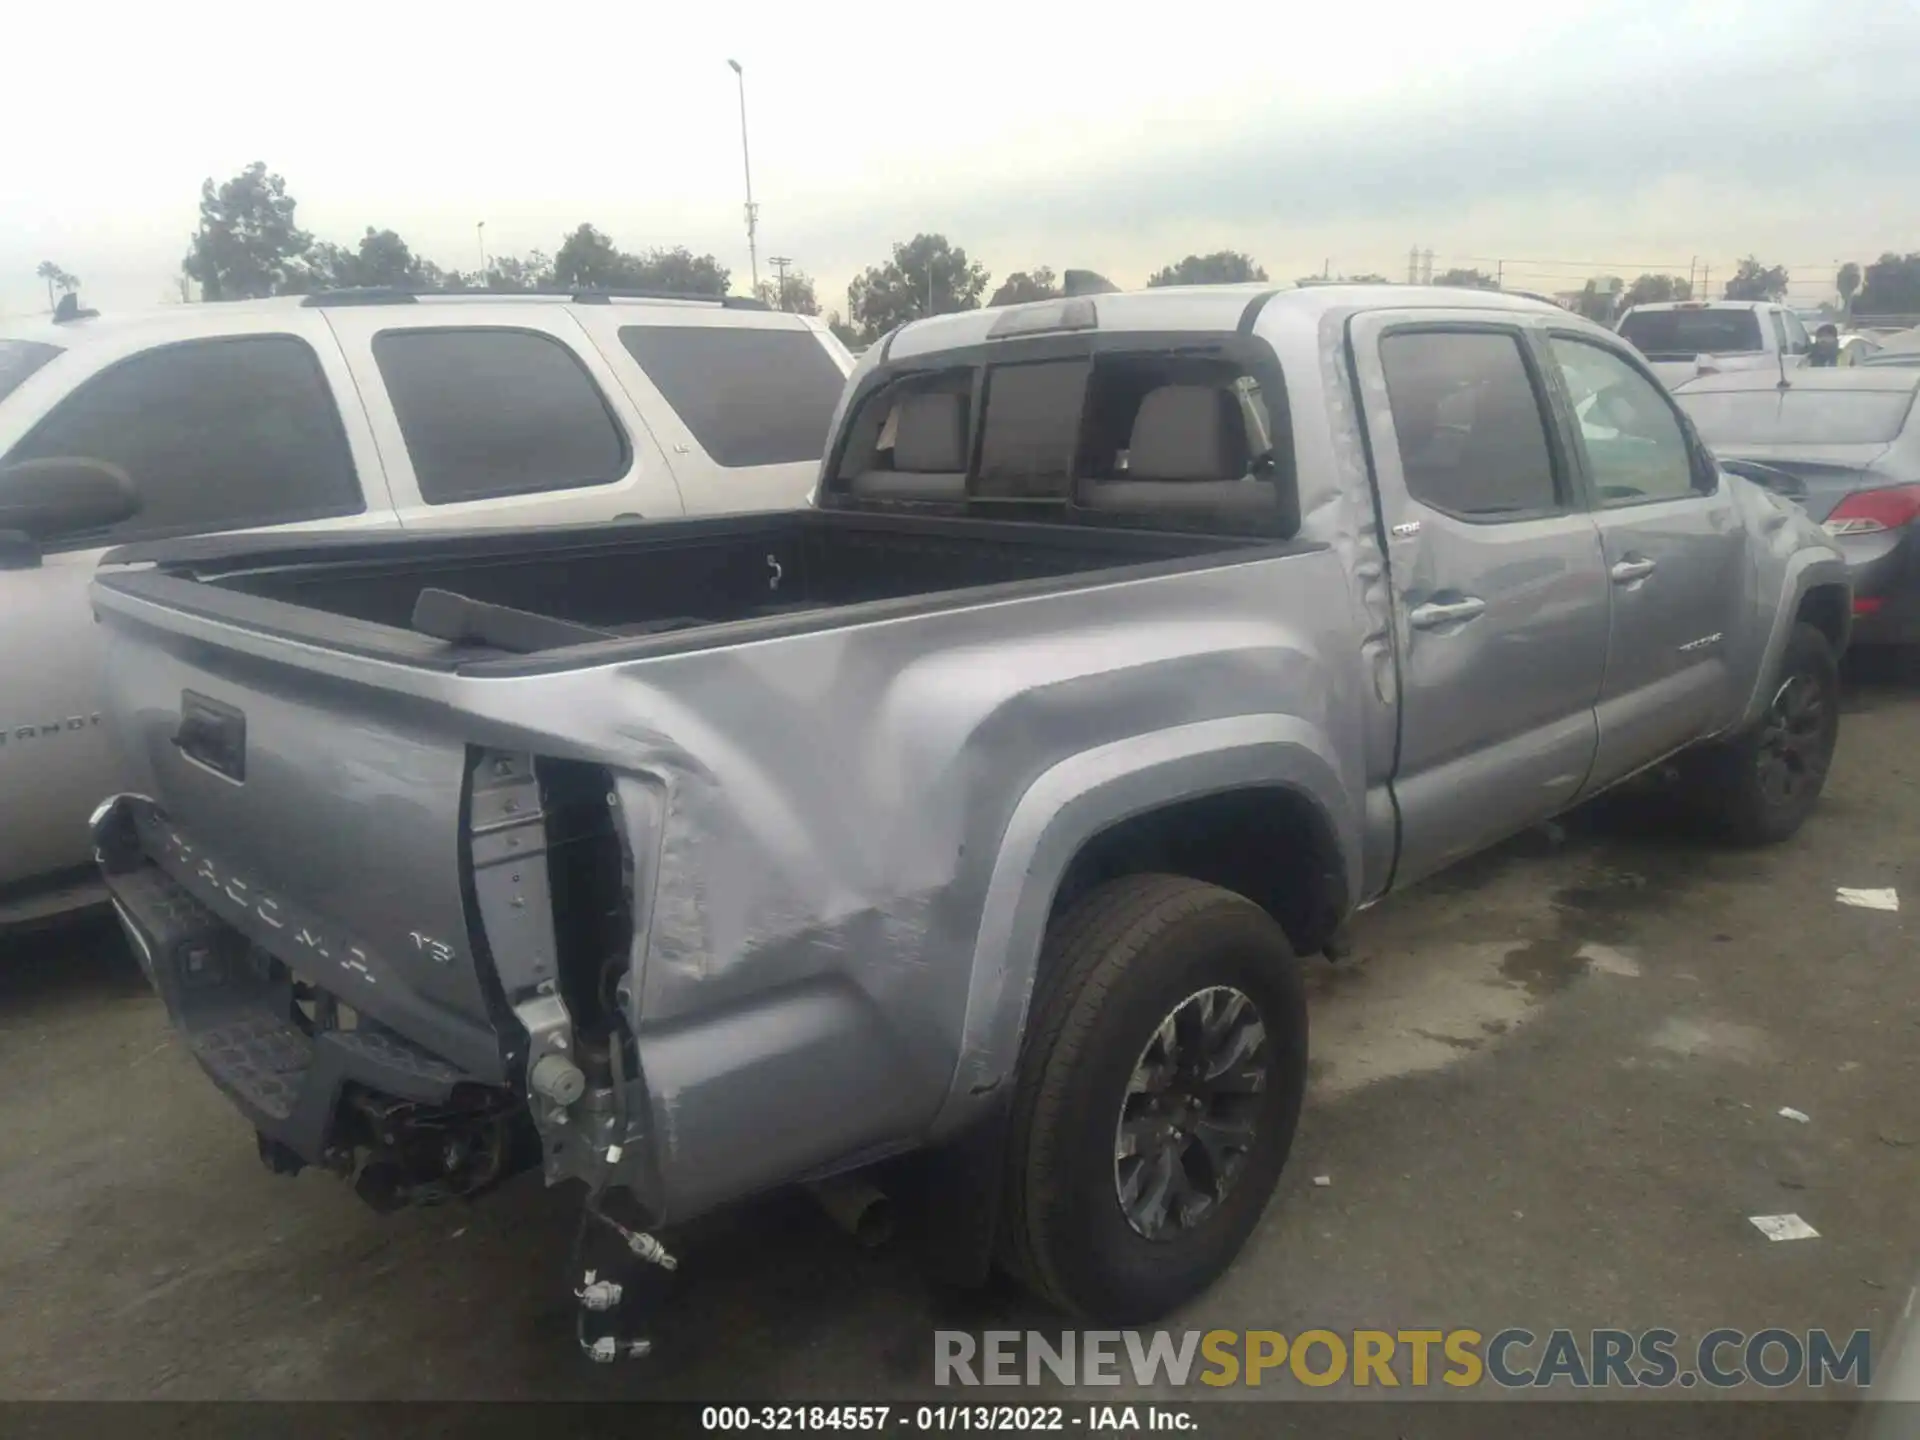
pixel 1436 613
pixel 1628 571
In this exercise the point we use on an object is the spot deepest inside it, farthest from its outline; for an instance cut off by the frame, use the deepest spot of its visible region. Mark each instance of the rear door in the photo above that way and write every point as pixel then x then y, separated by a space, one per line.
pixel 500 413
pixel 1676 556
pixel 1501 598
pixel 257 427
pixel 741 400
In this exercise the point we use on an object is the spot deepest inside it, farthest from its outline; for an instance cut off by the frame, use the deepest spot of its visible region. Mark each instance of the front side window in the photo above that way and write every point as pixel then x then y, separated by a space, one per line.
pixel 1635 449
pixel 489 412
pixel 215 434
pixel 1473 441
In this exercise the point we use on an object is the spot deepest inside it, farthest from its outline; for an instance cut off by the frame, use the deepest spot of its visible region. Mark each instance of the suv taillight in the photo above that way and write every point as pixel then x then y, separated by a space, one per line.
pixel 1866 511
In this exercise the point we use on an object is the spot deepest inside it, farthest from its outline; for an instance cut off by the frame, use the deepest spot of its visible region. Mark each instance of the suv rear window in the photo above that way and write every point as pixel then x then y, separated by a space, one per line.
pixel 1797 417
pixel 750 396
pixel 19 359
pixel 1683 334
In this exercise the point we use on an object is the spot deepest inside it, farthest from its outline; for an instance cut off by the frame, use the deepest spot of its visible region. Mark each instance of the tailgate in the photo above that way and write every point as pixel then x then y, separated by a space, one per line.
pixel 315 811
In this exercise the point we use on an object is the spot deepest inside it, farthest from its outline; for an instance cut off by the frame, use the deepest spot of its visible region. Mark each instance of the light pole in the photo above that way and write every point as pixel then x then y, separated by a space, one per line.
pixel 481 231
pixel 746 161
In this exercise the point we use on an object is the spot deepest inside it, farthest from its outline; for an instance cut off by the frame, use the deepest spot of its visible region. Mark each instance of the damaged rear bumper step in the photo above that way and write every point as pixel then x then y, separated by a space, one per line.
pixel 237 1012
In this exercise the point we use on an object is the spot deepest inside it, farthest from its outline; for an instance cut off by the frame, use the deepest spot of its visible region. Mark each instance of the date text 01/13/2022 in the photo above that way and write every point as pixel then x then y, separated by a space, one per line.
pixel 941 1418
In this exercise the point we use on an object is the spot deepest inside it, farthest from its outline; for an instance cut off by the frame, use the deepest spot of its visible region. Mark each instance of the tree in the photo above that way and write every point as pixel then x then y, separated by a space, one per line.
pixel 1599 300
pixel 1655 290
pixel 247 244
pixel 1847 282
pixel 844 332
pixel 57 279
pixel 928 275
pixel 1223 267
pixel 589 260
pixel 1018 288
pixel 1754 281
pixel 1891 288
pixel 795 296
pixel 1468 279
pixel 382 259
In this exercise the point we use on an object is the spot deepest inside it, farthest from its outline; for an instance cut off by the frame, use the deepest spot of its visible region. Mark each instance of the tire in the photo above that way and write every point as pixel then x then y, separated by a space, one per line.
pixel 1120 962
pixel 1759 788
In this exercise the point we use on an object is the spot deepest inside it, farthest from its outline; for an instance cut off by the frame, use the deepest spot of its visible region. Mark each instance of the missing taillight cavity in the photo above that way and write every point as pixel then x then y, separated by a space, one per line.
pixel 590 880
pixel 1866 511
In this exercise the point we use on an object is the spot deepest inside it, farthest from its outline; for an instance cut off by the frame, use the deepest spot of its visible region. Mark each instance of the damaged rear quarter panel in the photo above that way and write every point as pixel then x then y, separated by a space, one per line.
pixel 813 982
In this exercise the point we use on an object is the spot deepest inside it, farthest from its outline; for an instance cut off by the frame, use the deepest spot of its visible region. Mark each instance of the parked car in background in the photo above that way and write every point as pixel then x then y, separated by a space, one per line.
pixel 976 814
pixel 1900 349
pixel 1685 338
pixel 1845 445
pixel 348 411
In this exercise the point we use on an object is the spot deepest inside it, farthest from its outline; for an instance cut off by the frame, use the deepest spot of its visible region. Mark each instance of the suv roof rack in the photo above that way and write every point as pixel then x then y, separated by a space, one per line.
pixel 364 295
pixel 617 292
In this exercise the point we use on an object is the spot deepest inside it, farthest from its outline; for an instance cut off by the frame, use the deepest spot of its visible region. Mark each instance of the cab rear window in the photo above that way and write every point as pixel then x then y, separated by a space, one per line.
pixel 19 359
pixel 1683 334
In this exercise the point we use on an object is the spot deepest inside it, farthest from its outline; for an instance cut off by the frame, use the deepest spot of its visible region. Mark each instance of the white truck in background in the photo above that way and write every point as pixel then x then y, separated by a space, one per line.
pixel 353 410
pixel 1685 338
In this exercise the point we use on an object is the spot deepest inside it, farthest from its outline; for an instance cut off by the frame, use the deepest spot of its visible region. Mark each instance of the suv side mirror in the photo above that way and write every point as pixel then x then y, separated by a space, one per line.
pixel 64 495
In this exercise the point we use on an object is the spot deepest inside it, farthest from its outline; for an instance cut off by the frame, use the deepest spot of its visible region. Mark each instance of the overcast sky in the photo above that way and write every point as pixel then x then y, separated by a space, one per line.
pixel 1564 139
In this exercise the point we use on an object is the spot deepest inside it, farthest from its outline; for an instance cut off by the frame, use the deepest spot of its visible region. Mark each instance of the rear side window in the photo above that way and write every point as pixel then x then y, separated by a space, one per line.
pixel 750 396
pixel 215 434
pixel 19 359
pixel 1683 334
pixel 497 412
pixel 1797 416
pixel 1472 439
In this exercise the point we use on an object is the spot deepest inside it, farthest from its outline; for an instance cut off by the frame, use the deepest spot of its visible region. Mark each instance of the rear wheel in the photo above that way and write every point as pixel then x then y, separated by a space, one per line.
pixel 1159 1089
pixel 1758 789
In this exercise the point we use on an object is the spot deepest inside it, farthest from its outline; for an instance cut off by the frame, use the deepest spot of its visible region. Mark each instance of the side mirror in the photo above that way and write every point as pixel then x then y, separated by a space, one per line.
pixel 46 499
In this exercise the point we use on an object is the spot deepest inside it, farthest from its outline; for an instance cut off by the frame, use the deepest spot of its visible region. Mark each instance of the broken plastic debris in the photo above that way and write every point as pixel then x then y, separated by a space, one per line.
pixel 613 1154
pixel 1323 1181
pixel 1607 960
pixel 1784 1227
pixel 1787 1112
pixel 1868 899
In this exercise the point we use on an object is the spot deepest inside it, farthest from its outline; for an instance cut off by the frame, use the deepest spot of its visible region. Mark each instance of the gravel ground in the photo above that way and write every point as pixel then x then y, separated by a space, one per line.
pixel 1546 1093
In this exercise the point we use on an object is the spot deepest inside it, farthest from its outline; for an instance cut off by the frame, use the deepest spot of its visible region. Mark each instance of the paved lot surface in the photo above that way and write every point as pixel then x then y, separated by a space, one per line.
pixel 1519 1129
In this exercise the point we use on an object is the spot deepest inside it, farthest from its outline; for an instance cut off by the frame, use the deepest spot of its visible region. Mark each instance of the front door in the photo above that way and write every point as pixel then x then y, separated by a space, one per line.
pixel 1676 561
pixel 1501 612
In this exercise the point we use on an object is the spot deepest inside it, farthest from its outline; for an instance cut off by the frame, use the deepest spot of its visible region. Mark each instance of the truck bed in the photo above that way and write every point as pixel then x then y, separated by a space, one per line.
pixel 460 600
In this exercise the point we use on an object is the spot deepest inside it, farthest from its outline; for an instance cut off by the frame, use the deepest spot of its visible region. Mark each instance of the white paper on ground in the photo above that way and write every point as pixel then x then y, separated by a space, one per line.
pixel 1787 1112
pixel 1868 899
pixel 1784 1227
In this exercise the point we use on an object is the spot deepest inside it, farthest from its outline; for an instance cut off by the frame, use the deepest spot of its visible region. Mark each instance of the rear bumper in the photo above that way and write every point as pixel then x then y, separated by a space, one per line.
pixel 234 1005
pixel 1886 588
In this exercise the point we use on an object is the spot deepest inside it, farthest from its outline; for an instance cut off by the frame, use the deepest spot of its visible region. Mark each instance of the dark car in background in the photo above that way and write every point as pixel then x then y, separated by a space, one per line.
pixel 1844 444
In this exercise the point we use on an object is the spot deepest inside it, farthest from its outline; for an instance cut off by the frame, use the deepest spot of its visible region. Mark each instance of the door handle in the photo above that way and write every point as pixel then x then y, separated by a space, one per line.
pixel 1436 613
pixel 1628 571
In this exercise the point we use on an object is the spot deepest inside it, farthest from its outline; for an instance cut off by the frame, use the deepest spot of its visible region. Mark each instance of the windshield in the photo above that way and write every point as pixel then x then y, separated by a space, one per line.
pixel 19 359
pixel 1797 417
pixel 1683 334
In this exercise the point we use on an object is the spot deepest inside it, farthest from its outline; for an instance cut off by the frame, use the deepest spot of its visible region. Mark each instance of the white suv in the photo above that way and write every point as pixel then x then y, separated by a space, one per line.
pixel 357 409
pixel 1685 338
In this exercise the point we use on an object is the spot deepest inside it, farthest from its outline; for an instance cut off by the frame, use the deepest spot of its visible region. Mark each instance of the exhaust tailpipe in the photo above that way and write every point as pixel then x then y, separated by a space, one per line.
pixel 856 1207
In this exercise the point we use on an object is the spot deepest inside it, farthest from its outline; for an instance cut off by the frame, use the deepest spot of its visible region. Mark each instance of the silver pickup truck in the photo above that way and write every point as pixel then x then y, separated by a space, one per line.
pixel 964 829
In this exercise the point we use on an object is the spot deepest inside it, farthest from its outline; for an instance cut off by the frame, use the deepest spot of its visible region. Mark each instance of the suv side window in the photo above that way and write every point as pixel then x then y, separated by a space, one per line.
pixel 489 412
pixel 216 435
pixel 1473 440
pixel 750 396
pixel 1636 450
pixel 1798 341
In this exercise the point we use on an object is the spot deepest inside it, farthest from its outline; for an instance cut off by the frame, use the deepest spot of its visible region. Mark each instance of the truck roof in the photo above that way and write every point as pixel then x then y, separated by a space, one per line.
pixel 1188 308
